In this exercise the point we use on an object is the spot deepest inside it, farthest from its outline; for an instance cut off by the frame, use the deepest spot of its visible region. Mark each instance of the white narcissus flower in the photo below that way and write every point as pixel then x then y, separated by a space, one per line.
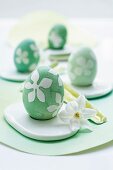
pixel 22 56
pixel 35 86
pixel 54 108
pixel 55 39
pixel 35 50
pixel 76 115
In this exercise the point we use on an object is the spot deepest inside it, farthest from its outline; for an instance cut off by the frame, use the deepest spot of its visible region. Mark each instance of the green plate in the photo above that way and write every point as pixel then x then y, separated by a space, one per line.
pixel 9 93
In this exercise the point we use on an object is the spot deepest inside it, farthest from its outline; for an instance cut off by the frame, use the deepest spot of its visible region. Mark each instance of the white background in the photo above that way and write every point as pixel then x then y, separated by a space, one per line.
pixel 72 8
pixel 95 159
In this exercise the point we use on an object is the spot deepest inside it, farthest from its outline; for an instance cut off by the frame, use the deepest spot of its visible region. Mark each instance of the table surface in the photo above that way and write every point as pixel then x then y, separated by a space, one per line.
pixel 98 158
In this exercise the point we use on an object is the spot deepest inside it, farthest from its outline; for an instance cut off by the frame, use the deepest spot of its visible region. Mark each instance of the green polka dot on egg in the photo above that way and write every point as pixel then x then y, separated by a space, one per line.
pixel 43 93
pixel 82 67
pixel 26 56
pixel 57 37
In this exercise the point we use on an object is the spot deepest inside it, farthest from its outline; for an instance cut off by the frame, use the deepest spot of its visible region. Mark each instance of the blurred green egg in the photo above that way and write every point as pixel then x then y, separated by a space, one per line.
pixel 26 56
pixel 43 93
pixel 57 37
pixel 82 67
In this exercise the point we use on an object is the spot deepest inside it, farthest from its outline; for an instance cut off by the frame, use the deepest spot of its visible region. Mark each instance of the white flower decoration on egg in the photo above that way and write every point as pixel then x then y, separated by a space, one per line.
pixel 22 56
pixel 32 67
pixel 84 67
pixel 36 92
pixel 54 108
pixel 35 49
pixel 76 115
pixel 55 73
pixel 55 39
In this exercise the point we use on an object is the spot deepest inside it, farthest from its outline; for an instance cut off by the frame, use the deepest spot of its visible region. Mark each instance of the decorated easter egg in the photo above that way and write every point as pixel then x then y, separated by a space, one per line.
pixel 82 67
pixel 43 93
pixel 57 37
pixel 26 56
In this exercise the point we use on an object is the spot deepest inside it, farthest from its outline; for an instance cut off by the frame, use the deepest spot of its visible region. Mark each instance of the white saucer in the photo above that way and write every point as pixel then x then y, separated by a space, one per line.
pixel 97 89
pixel 13 75
pixel 48 130
pixel 59 55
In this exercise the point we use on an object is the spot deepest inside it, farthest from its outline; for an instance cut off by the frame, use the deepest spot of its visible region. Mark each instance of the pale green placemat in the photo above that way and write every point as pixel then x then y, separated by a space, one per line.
pixel 9 93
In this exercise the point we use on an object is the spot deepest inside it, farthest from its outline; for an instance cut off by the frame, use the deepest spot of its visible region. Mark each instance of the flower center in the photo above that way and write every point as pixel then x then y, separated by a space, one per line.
pixel 77 115
pixel 35 85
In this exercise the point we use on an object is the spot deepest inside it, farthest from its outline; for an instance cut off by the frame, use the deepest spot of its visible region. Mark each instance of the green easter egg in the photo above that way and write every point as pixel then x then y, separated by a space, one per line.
pixel 82 67
pixel 43 93
pixel 26 56
pixel 57 37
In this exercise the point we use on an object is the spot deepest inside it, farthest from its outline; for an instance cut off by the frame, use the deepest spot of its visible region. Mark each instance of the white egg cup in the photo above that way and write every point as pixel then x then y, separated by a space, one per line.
pixel 46 130
pixel 59 55
pixel 97 89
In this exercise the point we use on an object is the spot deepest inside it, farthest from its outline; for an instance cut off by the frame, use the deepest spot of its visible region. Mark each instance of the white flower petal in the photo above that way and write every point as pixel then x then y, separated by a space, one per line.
pixel 60 81
pixel 73 76
pixel 78 71
pixel 32 67
pixel 60 105
pixel 31 96
pixel 52 72
pixel 81 100
pixel 36 54
pixel 74 124
pixel 81 61
pixel 18 60
pixel 70 109
pixel 24 54
pixel 64 117
pixel 45 83
pixel 52 108
pixel 32 46
pixel 55 39
pixel 28 85
pixel 54 114
pixel 88 113
pixel 74 105
pixel 58 98
pixel 35 50
pixel 85 127
pixel 87 72
pixel 57 42
pixel 90 64
pixel 40 95
pixel 25 60
pixel 35 76
pixel 19 51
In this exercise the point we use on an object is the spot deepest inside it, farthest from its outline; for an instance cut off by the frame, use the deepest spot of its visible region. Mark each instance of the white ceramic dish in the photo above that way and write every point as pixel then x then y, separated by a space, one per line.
pixel 59 55
pixel 47 130
pixel 97 89
pixel 13 75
